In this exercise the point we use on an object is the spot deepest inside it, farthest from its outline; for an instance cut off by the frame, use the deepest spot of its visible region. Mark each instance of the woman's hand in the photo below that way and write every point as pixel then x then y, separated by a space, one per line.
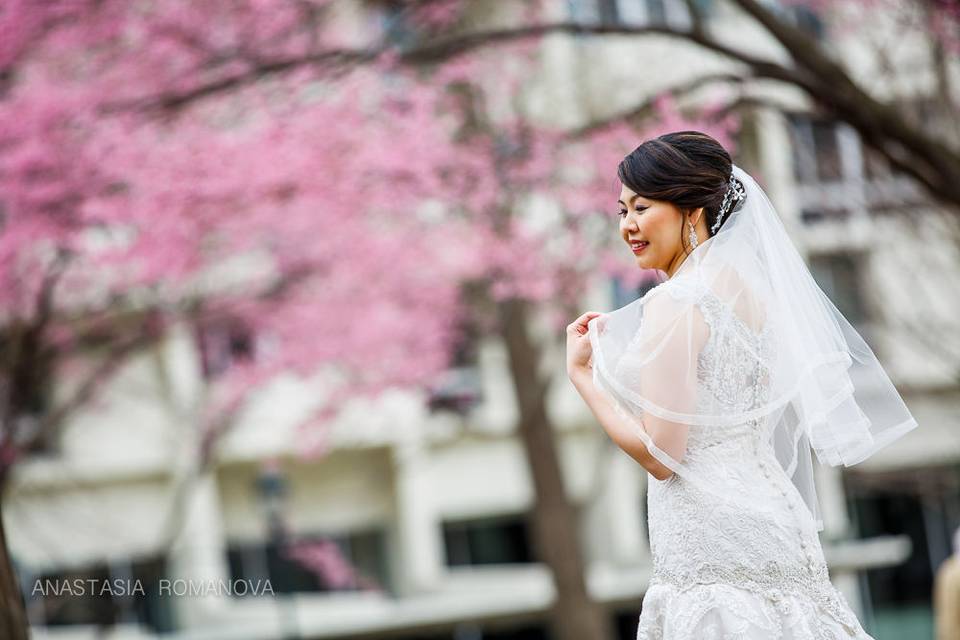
pixel 578 345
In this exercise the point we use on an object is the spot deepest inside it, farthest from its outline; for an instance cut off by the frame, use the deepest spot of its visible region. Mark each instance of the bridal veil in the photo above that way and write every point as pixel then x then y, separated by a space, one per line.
pixel 801 378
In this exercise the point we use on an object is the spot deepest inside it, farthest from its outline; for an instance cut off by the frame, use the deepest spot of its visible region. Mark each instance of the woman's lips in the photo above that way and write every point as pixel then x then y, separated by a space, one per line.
pixel 637 249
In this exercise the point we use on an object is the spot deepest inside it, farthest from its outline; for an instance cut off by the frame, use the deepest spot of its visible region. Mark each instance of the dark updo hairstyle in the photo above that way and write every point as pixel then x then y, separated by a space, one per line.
pixel 687 168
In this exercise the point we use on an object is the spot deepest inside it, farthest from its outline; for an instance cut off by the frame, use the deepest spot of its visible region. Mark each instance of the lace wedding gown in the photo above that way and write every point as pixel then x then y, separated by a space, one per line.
pixel 722 571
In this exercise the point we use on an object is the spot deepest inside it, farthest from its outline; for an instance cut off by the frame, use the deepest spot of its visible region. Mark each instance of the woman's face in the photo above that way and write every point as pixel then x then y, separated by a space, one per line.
pixel 659 224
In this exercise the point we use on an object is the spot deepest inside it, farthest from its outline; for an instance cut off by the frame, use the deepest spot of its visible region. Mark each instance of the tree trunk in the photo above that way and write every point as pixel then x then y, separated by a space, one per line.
pixel 13 615
pixel 555 531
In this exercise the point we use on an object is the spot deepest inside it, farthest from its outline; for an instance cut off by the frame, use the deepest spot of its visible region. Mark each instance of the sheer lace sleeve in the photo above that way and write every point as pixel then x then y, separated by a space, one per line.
pixel 685 366
pixel 653 380
pixel 665 355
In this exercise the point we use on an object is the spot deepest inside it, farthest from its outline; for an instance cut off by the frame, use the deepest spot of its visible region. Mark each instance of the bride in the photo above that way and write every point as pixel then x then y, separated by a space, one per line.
pixel 720 381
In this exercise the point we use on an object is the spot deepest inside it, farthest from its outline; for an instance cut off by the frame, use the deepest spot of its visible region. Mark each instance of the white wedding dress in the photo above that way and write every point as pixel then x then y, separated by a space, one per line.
pixel 724 571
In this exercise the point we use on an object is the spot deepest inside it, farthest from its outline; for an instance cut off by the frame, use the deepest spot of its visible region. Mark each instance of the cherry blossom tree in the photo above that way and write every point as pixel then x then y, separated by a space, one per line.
pixel 148 179
pixel 121 220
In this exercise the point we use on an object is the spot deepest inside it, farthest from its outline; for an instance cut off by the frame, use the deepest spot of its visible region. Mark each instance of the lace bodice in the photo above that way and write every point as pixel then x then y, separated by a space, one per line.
pixel 773 550
pixel 743 382
pixel 731 377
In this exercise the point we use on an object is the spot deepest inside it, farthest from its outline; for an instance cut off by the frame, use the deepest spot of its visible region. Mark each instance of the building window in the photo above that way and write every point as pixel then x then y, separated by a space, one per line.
pixel 828 165
pixel 353 561
pixel 670 13
pixel 922 504
pixel 396 24
pixel 491 540
pixel 459 388
pixel 837 175
pixel 121 592
pixel 495 630
pixel 840 277
pixel 816 149
pixel 826 149
pixel 812 215
pixel 606 11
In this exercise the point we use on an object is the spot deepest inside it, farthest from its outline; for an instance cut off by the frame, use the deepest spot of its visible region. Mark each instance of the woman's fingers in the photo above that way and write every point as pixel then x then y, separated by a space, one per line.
pixel 579 326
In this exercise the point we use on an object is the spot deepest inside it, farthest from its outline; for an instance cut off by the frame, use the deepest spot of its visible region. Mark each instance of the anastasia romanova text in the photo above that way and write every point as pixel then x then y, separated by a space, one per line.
pixel 166 587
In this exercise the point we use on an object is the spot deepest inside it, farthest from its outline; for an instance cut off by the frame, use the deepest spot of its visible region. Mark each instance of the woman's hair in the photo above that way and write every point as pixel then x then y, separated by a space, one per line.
pixel 687 168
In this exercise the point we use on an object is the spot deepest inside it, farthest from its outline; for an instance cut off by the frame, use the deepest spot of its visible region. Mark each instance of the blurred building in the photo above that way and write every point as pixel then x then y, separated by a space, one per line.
pixel 429 502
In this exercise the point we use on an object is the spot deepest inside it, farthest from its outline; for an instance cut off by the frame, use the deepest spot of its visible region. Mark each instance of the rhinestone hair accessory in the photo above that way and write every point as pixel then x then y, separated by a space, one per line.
pixel 734 192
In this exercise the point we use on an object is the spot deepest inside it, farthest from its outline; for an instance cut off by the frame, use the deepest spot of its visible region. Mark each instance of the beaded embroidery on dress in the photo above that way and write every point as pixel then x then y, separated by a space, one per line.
pixel 721 570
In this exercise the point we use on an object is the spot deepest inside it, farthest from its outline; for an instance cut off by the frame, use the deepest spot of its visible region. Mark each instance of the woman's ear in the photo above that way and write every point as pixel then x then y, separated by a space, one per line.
pixel 695 215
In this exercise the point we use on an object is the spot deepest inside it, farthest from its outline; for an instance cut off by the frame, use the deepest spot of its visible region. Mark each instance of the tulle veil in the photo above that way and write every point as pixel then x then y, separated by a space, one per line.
pixel 784 361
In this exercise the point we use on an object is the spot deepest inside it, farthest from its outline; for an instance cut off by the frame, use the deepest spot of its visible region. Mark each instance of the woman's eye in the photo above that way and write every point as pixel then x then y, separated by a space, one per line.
pixel 622 213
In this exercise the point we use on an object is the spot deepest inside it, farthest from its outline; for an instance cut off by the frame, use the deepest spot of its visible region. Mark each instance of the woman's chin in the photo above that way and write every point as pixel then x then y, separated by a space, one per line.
pixel 643 262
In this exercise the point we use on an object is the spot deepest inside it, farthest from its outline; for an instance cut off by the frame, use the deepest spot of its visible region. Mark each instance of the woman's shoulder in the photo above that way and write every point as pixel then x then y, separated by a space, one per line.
pixel 680 289
pixel 677 300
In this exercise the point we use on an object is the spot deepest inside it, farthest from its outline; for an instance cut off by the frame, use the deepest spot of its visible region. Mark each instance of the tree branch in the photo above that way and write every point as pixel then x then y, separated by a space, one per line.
pixel 933 164
pixel 646 107
pixel 869 116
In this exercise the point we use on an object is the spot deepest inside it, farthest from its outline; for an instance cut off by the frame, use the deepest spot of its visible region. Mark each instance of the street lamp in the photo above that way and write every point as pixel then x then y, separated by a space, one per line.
pixel 272 489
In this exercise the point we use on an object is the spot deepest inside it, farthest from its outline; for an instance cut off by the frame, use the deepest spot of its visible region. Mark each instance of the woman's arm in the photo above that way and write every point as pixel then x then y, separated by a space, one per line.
pixel 617 427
